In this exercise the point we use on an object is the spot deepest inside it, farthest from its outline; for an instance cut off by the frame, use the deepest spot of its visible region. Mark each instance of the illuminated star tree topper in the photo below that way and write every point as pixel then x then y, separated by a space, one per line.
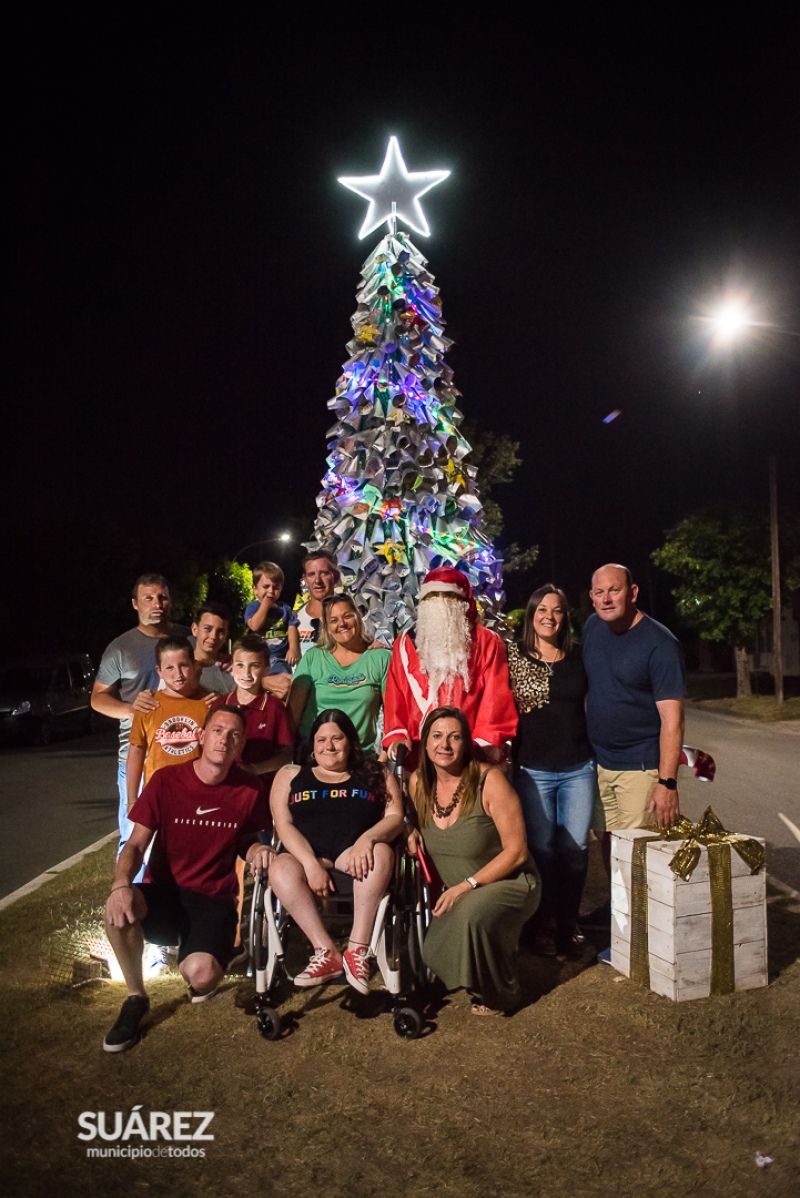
pixel 394 193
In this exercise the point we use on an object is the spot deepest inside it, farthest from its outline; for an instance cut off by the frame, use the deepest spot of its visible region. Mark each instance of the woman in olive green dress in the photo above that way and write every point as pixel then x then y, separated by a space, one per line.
pixel 471 824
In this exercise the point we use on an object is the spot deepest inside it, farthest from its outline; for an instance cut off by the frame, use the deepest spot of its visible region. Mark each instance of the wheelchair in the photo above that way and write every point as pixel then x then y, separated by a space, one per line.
pixel 402 918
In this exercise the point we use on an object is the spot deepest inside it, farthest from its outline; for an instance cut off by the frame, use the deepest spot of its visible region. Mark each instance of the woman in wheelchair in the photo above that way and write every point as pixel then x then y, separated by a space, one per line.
pixel 471 824
pixel 336 818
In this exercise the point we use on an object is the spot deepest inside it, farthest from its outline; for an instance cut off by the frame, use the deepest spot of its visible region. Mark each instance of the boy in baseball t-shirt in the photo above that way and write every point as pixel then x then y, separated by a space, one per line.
pixel 170 733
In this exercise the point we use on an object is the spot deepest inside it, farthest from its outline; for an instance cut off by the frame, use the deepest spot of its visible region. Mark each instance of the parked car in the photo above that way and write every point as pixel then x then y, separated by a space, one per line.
pixel 45 693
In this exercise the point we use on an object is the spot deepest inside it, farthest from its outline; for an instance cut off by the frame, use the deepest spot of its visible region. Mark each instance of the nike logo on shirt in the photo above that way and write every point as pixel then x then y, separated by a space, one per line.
pixel 205 810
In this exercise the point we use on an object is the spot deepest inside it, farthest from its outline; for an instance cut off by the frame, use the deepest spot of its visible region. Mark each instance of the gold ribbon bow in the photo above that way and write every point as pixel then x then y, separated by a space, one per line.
pixel 709 831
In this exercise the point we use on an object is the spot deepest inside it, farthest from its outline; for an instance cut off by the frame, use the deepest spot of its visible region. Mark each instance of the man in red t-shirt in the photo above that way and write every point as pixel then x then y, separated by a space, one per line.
pixel 206 812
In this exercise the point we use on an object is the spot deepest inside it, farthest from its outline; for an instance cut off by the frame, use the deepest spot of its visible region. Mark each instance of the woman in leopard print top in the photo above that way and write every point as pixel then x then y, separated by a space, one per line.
pixel 555 775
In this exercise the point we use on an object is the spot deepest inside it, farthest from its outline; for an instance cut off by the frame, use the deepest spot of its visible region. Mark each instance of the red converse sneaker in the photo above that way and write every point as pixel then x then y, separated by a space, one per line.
pixel 356 968
pixel 323 967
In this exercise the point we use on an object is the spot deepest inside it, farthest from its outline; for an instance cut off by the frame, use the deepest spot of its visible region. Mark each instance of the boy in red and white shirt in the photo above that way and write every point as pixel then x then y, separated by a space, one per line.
pixel 269 732
pixel 269 729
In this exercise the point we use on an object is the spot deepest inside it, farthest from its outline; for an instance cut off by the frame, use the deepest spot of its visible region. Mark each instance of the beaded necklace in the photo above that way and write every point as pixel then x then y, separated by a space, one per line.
pixel 444 812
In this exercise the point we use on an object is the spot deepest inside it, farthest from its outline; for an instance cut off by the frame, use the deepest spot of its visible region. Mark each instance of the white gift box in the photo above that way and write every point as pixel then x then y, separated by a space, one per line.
pixel 679 919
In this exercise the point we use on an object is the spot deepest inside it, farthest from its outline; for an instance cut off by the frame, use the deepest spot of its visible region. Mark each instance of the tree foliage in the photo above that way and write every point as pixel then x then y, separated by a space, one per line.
pixel 722 561
pixel 225 582
pixel 232 584
pixel 721 558
pixel 189 591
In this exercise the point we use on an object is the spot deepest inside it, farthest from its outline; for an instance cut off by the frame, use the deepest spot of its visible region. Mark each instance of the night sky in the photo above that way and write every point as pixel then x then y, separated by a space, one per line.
pixel 183 264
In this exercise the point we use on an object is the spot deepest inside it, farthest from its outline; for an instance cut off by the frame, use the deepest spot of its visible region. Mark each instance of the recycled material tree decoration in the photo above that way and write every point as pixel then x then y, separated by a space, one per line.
pixel 399 496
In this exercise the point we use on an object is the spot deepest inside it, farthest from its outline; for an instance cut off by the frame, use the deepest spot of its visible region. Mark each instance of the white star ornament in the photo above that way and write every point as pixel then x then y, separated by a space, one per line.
pixel 394 193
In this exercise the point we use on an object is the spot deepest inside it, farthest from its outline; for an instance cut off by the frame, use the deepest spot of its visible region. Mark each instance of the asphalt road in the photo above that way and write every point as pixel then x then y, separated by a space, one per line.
pixel 758 775
pixel 56 801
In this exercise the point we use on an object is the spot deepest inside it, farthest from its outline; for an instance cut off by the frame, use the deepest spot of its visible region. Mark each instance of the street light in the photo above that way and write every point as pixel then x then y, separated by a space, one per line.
pixel 729 321
pixel 284 537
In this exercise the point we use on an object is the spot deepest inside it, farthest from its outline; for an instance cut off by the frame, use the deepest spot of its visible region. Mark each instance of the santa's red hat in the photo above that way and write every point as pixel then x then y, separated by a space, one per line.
pixel 445 578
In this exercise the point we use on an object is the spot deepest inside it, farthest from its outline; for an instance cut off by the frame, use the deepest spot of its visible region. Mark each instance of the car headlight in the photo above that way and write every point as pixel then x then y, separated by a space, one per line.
pixel 23 708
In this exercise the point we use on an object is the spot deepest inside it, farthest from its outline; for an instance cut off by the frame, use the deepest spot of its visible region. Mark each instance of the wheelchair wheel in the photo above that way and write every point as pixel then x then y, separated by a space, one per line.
pixel 269 1023
pixel 407 1023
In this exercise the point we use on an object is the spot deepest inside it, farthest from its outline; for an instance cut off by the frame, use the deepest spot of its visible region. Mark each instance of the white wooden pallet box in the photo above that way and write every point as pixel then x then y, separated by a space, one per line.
pixel 679 919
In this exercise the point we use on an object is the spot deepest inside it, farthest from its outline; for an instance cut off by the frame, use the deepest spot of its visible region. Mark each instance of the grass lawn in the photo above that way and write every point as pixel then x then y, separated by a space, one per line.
pixel 717 692
pixel 755 707
pixel 595 1087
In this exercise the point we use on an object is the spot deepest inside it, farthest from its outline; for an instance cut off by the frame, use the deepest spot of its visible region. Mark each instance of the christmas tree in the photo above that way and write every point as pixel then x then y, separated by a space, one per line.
pixel 399 496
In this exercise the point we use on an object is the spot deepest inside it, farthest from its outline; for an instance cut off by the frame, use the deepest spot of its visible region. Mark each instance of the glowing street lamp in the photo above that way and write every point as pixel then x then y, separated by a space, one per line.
pixel 735 317
pixel 731 320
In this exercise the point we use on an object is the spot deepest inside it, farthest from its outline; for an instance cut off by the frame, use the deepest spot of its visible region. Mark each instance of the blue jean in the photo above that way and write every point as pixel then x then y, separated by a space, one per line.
pixel 125 825
pixel 557 807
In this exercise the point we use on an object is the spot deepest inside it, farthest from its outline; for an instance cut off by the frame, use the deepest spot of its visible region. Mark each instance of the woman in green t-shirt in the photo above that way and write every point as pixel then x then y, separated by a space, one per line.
pixel 341 671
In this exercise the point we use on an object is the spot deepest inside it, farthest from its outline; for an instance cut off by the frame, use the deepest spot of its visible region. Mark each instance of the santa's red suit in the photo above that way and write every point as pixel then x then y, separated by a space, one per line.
pixel 488 704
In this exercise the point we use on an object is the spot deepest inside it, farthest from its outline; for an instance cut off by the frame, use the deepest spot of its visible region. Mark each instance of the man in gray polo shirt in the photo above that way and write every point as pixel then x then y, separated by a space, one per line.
pixel 128 667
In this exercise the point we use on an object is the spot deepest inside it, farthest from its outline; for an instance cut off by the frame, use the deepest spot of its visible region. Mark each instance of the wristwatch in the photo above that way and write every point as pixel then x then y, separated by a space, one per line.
pixel 668 783
pixel 473 883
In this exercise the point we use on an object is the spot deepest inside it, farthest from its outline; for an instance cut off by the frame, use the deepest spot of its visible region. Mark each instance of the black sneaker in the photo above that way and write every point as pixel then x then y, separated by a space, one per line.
pixel 125 1031
pixel 571 944
pixel 544 943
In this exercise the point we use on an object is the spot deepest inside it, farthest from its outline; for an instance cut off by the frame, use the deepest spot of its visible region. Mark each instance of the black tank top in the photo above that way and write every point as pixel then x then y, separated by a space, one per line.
pixel 331 815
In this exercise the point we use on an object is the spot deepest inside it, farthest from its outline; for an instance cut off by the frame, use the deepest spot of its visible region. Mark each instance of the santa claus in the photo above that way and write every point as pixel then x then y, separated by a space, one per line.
pixel 450 659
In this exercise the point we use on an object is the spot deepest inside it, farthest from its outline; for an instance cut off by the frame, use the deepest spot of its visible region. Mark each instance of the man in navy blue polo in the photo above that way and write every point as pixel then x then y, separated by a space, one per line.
pixel 635 706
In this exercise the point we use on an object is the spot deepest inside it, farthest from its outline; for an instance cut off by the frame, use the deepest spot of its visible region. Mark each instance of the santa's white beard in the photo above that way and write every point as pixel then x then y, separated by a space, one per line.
pixel 443 643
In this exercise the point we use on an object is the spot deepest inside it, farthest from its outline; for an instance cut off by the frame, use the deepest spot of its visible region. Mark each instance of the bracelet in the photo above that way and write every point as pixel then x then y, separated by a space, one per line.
pixel 122 886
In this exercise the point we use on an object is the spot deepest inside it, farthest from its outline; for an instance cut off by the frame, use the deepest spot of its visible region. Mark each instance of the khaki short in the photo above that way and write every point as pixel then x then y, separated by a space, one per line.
pixel 623 799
